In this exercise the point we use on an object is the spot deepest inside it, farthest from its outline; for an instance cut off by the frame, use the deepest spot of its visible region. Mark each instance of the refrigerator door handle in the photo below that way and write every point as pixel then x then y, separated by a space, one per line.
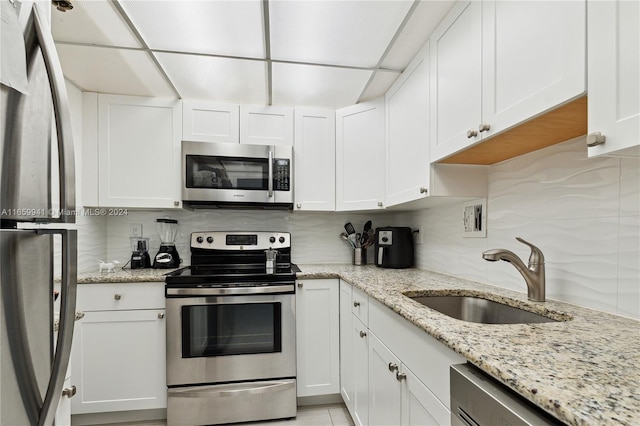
pixel 68 290
pixel 66 161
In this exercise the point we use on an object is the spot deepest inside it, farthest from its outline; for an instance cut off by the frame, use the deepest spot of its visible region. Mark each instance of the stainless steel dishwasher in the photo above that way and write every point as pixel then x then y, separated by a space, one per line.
pixel 479 400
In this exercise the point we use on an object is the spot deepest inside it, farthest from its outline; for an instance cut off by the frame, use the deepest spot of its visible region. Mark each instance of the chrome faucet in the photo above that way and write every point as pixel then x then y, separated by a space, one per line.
pixel 533 275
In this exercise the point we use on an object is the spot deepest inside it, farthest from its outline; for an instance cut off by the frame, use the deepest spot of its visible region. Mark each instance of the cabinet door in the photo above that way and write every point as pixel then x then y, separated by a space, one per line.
pixel 456 80
pixel 266 125
pixel 360 367
pixel 315 159
pixel 139 152
pixel 614 67
pixel 318 340
pixel 527 71
pixel 209 122
pixel 419 406
pixel 359 156
pixel 119 361
pixel 385 389
pixel 347 385
pixel 407 133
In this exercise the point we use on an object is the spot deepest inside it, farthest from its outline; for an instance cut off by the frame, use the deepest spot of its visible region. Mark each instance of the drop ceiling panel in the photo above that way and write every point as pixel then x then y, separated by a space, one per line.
pixel 379 85
pixel 352 33
pixel 308 85
pixel 106 70
pixel 233 28
pixel 423 21
pixel 92 22
pixel 219 79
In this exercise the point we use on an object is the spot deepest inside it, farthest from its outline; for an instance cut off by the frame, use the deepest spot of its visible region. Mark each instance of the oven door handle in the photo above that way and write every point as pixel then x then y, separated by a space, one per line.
pixel 227 291
pixel 206 391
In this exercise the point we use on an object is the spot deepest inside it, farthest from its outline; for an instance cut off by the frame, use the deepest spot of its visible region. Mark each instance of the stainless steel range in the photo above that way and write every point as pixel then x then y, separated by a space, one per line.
pixel 231 350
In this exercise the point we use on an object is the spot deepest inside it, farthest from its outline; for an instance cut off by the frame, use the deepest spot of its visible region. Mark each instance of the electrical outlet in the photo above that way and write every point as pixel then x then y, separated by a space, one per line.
pixel 474 218
pixel 135 230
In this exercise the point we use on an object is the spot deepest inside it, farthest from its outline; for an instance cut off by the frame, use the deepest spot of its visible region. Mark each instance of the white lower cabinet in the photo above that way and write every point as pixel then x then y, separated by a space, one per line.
pixel 391 372
pixel 396 395
pixel 317 337
pixel 119 351
pixel 385 385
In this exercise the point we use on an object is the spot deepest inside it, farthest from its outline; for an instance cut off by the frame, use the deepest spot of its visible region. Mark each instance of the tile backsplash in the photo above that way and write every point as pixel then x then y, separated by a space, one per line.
pixel 584 214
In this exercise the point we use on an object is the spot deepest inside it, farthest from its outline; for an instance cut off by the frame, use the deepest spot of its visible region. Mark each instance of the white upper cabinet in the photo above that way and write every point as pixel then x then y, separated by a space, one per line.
pixel 204 121
pixel 131 151
pixel 360 161
pixel 266 125
pixel 314 162
pixel 456 80
pixel 614 77
pixel 407 133
pixel 494 68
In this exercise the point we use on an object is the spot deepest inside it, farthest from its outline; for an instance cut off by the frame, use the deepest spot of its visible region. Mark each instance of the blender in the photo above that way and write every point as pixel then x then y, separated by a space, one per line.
pixel 167 256
pixel 139 254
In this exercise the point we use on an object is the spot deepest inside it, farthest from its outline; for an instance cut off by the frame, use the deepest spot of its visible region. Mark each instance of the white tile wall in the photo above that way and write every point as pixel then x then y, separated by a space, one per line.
pixel 584 214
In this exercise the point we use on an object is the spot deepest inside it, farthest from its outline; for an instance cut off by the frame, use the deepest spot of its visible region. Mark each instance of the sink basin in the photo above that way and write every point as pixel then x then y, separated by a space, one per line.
pixel 475 309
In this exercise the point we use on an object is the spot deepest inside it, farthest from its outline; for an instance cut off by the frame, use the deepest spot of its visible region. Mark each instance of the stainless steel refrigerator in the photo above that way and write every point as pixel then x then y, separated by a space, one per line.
pixel 37 174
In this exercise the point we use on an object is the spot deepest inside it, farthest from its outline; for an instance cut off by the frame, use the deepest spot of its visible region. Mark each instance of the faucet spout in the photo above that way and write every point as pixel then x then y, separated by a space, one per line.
pixel 533 273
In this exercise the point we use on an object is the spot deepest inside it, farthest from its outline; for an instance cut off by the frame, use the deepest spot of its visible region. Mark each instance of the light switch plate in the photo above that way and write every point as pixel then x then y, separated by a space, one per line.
pixel 135 230
pixel 474 218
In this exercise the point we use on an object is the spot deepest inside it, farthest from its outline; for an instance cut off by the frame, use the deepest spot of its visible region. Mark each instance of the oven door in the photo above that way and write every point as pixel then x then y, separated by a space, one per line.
pixel 213 339
pixel 236 173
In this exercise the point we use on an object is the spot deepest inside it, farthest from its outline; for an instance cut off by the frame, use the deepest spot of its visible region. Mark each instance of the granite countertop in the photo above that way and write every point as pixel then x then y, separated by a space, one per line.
pixel 124 276
pixel 584 371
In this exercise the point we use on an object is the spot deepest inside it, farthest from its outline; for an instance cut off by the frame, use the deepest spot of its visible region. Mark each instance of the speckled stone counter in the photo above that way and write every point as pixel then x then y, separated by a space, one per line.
pixel 584 371
pixel 124 276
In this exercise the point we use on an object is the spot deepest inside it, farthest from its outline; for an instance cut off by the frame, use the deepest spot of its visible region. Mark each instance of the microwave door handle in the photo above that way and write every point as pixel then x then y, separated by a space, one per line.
pixel 270 183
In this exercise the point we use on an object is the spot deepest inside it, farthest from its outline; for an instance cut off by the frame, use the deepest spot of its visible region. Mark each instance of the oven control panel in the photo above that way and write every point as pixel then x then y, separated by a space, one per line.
pixel 240 240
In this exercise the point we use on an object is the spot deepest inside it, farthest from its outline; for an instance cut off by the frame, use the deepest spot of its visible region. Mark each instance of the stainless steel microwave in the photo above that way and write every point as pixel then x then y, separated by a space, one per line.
pixel 236 175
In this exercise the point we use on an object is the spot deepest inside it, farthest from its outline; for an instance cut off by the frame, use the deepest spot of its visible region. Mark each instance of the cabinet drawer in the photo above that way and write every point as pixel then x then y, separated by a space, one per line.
pixel 120 296
pixel 360 305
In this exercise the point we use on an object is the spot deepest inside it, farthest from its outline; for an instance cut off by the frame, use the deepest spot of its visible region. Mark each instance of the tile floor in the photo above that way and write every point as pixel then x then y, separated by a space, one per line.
pixel 310 415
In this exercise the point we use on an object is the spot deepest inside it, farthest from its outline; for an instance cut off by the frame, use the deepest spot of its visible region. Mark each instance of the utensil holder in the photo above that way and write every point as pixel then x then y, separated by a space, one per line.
pixel 359 256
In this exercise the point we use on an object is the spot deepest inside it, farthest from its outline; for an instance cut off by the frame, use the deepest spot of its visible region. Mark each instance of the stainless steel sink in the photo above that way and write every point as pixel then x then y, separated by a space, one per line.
pixel 475 309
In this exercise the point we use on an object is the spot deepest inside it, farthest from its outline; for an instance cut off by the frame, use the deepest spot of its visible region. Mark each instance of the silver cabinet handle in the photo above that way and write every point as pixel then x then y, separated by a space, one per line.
pixel 471 134
pixel 393 367
pixel 300 285
pixel 356 304
pixel 379 203
pixel 299 206
pixel 595 139
pixel 484 127
pixel 160 315
pixel 423 190
pixel 69 392
pixel 117 296
pixel 363 334
pixel 400 376
pixel 176 203
pixel 79 315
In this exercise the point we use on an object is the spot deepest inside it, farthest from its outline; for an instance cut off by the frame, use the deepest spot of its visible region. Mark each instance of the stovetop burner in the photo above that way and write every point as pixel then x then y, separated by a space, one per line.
pixel 233 258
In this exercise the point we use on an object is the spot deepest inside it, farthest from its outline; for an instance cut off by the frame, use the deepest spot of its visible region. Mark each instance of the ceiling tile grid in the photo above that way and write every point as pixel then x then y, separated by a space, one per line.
pixel 320 53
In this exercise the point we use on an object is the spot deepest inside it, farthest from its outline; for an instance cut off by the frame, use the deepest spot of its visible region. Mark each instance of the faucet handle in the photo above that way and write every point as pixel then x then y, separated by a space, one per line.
pixel 536 257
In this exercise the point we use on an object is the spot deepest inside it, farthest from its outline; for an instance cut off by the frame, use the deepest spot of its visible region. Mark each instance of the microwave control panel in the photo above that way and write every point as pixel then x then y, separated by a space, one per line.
pixel 281 174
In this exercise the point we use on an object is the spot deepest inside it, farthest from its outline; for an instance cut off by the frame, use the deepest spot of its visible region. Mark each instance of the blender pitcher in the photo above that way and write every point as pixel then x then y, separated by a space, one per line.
pixel 167 256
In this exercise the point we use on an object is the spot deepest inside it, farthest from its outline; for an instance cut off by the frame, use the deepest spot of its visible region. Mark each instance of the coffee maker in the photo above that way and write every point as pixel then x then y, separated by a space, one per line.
pixel 167 256
pixel 139 253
